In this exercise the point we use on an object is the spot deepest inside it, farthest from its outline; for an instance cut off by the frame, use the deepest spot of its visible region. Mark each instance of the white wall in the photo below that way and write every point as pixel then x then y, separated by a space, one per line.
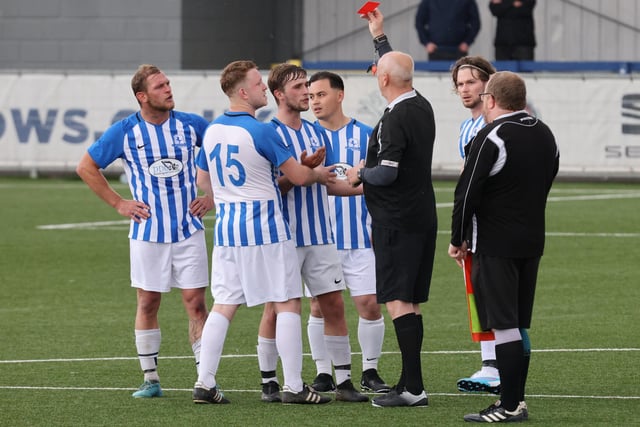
pixel 47 121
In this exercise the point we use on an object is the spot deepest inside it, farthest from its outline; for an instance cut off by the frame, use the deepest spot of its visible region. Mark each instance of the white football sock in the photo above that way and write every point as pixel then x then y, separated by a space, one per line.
pixel 315 333
pixel 370 337
pixel 289 343
pixel 488 350
pixel 196 347
pixel 339 350
pixel 213 335
pixel 267 357
pixel 148 347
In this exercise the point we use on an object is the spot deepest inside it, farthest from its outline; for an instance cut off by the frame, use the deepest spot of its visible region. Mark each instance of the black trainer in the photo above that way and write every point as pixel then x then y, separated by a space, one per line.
pixel 271 392
pixel 346 392
pixel 306 396
pixel 396 397
pixel 497 414
pixel 371 381
pixel 202 394
pixel 323 383
pixel 525 410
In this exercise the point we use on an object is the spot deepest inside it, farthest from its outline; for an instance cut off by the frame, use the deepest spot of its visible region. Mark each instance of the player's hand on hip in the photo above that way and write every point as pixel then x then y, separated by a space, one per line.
pixel 133 209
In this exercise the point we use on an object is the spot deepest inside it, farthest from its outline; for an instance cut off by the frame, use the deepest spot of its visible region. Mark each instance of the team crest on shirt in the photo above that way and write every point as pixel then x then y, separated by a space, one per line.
pixel 165 168
pixel 179 140
pixel 353 144
pixel 314 143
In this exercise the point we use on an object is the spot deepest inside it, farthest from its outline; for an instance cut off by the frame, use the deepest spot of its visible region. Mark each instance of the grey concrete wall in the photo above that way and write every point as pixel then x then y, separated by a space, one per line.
pixel 120 34
pixel 566 30
pixel 89 34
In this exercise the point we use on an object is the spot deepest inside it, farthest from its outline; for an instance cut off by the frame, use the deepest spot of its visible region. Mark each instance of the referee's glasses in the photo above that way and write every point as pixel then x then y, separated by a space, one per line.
pixel 484 94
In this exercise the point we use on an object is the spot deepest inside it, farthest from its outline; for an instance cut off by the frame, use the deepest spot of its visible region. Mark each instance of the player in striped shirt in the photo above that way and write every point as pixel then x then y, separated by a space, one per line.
pixel 470 75
pixel 351 222
pixel 308 214
pixel 253 259
pixel 157 146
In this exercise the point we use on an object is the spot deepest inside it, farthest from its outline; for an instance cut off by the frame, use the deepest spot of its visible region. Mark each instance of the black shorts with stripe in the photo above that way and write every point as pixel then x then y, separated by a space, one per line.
pixel 504 290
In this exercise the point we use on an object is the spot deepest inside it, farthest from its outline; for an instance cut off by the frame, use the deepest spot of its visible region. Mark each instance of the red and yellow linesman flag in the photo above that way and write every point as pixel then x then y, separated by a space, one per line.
pixel 477 334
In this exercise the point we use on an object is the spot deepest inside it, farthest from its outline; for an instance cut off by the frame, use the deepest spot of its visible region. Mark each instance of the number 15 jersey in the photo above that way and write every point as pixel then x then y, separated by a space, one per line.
pixel 242 156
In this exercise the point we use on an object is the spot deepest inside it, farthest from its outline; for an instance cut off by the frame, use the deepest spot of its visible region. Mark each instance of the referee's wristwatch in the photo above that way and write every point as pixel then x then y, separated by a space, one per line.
pixel 382 38
pixel 359 175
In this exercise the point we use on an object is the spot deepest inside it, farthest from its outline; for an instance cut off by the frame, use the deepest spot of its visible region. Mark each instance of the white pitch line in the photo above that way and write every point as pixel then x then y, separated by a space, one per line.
pixel 465 395
pixel 593 197
pixel 630 195
pixel 239 356
pixel 570 234
pixel 103 225
pixel 82 225
pixel 626 195
pixel 573 234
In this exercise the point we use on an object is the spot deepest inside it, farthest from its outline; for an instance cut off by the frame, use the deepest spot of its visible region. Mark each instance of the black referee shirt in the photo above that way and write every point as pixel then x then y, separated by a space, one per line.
pixel 404 136
pixel 502 192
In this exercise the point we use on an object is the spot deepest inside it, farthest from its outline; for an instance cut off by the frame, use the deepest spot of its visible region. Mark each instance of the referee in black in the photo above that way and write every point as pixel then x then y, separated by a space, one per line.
pixel 499 214
pixel 400 198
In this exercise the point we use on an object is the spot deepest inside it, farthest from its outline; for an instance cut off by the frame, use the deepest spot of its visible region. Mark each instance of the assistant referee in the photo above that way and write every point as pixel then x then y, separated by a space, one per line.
pixel 501 197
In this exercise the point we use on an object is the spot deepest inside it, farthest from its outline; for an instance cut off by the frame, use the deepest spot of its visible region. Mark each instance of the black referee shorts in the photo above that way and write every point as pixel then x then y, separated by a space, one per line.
pixel 404 264
pixel 504 290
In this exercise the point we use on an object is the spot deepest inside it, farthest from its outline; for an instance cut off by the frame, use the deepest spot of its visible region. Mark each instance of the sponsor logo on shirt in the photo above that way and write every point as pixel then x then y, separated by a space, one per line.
pixel 165 168
pixel 341 170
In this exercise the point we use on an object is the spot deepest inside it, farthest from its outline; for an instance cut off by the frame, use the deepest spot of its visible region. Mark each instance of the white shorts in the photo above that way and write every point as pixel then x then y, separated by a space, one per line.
pixel 158 267
pixel 254 275
pixel 320 268
pixel 359 269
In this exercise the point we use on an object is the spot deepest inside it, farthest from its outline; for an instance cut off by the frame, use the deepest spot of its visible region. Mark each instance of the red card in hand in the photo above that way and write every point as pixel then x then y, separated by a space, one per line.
pixel 369 6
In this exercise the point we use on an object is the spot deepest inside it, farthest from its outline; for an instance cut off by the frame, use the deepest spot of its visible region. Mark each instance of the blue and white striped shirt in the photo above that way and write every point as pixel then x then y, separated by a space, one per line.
pixel 350 218
pixel 306 208
pixel 159 161
pixel 468 130
pixel 242 155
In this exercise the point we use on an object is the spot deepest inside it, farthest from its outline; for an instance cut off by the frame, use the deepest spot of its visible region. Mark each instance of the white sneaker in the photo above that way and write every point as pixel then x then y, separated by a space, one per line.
pixel 486 372
pixel 486 380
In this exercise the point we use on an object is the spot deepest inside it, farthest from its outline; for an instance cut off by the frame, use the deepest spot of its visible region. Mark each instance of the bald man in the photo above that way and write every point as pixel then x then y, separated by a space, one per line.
pixel 398 190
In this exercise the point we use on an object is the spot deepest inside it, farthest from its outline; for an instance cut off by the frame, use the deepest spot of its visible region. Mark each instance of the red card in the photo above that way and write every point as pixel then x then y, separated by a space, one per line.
pixel 369 6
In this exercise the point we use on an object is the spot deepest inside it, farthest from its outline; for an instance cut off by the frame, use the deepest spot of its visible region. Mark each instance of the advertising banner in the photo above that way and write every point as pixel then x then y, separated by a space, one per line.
pixel 48 120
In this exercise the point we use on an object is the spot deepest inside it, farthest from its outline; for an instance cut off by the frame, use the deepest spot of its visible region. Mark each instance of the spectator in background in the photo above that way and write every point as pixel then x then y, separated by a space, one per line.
pixel 515 34
pixel 446 28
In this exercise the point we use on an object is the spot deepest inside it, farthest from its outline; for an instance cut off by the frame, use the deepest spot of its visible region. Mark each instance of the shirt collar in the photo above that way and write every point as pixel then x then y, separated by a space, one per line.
pixel 401 98
pixel 510 114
